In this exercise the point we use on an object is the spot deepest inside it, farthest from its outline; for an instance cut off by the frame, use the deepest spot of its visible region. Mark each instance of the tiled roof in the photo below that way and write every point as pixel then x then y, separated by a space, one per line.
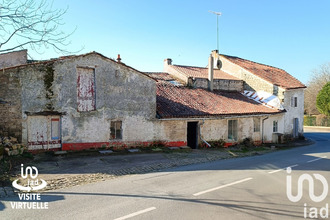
pixel 160 76
pixel 271 74
pixel 180 101
pixel 200 72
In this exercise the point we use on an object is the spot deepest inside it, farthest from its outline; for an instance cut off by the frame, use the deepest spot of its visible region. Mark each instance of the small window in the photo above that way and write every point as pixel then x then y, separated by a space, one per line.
pixel 275 126
pixel 256 124
pixel 115 130
pixel 232 130
pixel 55 128
pixel 294 101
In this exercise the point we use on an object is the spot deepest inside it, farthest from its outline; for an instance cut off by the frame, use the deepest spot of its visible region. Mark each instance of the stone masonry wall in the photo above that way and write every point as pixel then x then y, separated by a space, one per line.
pixel 10 107
pixel 13 58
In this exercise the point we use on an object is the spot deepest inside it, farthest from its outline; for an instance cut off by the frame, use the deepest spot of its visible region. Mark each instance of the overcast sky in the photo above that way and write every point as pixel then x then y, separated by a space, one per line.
pixel 292 35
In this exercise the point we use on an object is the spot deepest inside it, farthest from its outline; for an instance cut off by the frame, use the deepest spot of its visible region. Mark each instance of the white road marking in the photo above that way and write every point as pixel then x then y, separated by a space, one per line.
pixel 136 213
pixel 316 159
pixel 223 186
pixel 275 171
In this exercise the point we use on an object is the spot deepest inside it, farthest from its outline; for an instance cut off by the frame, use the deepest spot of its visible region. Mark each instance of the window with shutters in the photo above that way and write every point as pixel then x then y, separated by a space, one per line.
pixel 85 89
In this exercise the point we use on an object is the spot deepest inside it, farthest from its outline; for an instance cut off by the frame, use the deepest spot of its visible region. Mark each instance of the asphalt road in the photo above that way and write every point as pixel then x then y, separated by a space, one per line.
pixel 242 188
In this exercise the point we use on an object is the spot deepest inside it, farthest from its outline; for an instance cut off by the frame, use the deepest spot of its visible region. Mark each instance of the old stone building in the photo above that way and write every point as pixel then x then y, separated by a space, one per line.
pixel 91 101
pixel 269 86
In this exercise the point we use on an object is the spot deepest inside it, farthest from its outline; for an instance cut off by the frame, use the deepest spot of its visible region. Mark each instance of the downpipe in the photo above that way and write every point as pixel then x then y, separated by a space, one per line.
pixel 200 134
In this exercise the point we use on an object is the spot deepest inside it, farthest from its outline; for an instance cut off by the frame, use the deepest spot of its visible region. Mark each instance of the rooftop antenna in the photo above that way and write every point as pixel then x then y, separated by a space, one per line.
pixel 217 14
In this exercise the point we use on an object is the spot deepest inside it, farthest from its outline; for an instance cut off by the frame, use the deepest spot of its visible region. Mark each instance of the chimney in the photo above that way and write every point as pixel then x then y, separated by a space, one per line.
pixel 167 62
pixel 118 59
pixel 211 73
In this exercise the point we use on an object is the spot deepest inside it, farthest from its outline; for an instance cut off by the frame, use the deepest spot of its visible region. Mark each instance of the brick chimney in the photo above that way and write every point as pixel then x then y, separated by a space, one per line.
pixel 211 73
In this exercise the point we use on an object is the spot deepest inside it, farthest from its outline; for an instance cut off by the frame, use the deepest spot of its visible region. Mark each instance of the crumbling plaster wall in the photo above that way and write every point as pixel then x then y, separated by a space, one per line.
pixel 121 94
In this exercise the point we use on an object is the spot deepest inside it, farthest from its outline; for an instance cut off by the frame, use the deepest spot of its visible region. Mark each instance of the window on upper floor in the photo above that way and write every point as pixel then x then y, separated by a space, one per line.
pixel 85 89
pixel 294 101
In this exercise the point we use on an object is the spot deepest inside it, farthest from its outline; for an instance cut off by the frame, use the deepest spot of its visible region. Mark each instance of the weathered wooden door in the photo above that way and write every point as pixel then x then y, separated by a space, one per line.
pixel 44 132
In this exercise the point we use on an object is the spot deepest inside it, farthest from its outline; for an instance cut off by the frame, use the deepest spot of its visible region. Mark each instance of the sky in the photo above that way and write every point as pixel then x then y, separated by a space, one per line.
pixel 292 35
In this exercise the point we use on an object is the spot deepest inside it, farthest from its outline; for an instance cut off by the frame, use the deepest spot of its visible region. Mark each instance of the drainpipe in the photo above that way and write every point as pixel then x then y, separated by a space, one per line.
pixel 262 131
pixel 200 134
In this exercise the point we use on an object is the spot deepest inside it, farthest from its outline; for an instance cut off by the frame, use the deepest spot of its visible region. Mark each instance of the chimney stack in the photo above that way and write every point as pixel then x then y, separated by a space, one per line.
pixel 211 73
pixel 118 59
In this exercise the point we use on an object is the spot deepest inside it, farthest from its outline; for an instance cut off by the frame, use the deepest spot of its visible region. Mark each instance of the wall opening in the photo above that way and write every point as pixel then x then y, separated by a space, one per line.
pixel 192 138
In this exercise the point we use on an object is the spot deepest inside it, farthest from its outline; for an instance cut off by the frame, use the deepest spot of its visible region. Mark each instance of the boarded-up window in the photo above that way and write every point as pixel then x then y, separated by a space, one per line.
pixel 232 130
pixel 256 124
pixel 115 130
pixel 55 128
pixel 85 89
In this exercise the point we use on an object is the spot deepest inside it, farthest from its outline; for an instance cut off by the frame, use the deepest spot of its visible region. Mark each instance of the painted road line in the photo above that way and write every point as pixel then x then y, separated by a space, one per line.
pixel 136 213
pixel 316 159
pixel 275 171
pixel 223 186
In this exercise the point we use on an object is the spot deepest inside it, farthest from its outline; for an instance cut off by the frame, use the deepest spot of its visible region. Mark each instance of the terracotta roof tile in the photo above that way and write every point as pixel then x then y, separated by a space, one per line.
pixel 271 74
pixel 180 101
pixel 160 76
pixel 200 72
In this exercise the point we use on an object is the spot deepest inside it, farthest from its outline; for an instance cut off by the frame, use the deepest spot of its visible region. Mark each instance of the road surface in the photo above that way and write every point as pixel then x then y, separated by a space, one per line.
pixel 242 188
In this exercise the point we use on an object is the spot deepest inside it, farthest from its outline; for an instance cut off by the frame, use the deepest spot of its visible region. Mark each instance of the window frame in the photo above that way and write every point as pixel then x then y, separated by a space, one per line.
pixel 275 126
pixel 114 129
pixel 256 128
pixel 233 129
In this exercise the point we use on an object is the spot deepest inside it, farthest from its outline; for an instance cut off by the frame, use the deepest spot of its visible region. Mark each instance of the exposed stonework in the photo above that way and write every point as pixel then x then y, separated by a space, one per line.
pixel 13 58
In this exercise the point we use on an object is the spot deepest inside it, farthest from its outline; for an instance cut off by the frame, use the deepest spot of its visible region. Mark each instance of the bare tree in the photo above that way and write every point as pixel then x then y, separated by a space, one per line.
pixel 318 79
pixel 31 23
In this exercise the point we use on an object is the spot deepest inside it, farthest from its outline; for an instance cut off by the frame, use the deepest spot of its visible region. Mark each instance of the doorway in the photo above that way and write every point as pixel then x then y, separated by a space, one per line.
pixel 192 137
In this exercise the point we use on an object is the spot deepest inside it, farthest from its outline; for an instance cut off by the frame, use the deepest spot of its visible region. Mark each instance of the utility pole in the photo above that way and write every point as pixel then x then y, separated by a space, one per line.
pixel 217 14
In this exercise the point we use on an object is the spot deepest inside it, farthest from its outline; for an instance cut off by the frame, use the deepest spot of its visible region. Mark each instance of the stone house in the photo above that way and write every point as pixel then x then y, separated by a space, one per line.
pixel 78 102
pixel 91 101
pixel 264 84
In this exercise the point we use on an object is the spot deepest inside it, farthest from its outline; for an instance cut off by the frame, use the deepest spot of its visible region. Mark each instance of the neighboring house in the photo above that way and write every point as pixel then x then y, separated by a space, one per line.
pixel 264 84
pixel 91 101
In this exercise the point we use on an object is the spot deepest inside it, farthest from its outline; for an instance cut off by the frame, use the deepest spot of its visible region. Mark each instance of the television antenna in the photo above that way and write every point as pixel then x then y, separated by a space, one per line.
pixel 217 14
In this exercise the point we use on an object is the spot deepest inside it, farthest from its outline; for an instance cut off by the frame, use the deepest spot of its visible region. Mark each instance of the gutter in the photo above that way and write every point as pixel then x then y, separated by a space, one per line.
pixel 217 118
pixel 262 131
